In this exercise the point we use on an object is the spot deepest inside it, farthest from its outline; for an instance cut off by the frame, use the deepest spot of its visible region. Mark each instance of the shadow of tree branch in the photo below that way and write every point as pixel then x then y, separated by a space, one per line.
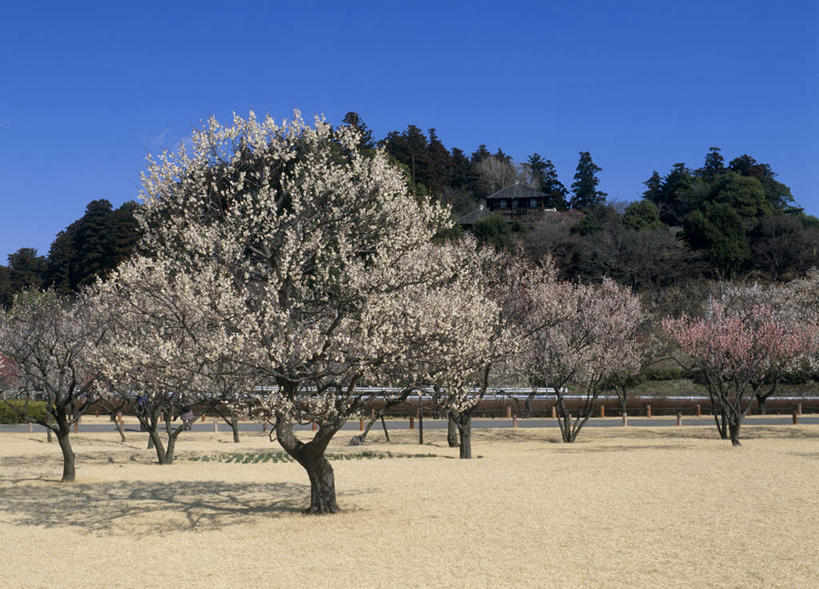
pixel 146 508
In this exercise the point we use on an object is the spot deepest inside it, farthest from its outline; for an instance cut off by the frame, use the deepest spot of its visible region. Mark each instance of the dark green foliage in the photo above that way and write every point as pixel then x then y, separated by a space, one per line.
pixel 18 411
pixel 777 194
pixel 498 231
pixel 584 188
pixel 744 194
pixel 25 271
pixel 714 164
pixel 92 246
pixel 719 231
pixel 642 214
pixel 543 176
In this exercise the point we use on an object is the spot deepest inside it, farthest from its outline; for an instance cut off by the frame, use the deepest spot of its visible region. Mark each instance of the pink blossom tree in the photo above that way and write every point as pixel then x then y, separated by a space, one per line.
pixel 734 351
pixel 589 333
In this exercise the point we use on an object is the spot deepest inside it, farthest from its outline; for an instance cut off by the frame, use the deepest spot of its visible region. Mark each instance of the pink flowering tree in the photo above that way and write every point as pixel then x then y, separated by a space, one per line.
pixel 588 332
pixel 734 351
pixel 792 307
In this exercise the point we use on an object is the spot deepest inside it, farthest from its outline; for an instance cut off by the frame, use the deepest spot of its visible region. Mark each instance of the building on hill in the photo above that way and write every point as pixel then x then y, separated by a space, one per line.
pixel 513 201
pixel 517 199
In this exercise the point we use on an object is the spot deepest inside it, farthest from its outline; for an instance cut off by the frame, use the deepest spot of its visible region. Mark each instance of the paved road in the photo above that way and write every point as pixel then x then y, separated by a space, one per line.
pixel 402 424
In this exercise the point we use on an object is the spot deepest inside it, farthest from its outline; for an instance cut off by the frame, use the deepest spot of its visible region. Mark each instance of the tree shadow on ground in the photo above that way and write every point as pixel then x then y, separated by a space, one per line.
pixel 573 449
pixel 147 508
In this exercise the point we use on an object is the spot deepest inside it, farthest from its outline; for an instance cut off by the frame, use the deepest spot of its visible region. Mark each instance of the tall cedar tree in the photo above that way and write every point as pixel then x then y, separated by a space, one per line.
pixel 584 188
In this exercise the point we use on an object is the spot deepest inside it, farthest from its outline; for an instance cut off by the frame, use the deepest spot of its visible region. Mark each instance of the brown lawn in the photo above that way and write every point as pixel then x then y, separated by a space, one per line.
pixel 664 507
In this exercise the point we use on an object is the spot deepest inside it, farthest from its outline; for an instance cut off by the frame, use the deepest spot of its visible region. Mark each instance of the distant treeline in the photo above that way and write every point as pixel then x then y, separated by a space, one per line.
pixel 716 221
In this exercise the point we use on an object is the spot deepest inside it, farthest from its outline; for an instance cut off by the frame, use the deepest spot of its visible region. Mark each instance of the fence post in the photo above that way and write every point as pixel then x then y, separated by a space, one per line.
pixel 799 408
pixel 412 423
pixel 602 410
pixel 699 410
pixel 215 426
pixel 361 424
pixel 508 412
pixel 203 417
pixel 554 412
pixel 679 419
pixel 264 426
pixel 795 418
pixel 314 426
pixel 514 421
pixel 648 410
pixel 30 428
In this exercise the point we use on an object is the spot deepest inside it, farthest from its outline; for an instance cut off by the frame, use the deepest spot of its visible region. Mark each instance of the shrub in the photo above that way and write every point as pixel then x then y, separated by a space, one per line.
pixel 11 410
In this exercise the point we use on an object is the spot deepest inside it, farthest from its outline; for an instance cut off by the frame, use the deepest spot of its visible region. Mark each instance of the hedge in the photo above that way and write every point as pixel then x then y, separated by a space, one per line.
pixel 36 410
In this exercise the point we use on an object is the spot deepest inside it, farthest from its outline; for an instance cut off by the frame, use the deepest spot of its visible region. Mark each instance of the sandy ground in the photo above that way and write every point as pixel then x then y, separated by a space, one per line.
pixel 665 507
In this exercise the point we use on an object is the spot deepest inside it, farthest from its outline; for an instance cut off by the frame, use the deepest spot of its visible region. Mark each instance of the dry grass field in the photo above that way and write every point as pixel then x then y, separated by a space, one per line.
pixel 665 507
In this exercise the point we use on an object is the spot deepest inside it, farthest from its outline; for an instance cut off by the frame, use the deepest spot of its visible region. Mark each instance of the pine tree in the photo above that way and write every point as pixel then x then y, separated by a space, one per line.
pixel 584 188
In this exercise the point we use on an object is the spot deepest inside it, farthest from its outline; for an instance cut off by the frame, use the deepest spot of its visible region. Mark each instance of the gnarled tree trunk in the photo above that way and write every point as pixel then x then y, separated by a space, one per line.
pixel 311 456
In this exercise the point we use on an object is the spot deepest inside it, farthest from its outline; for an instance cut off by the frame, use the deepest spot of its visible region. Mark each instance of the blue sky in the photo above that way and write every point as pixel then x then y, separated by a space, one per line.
pixel 87 89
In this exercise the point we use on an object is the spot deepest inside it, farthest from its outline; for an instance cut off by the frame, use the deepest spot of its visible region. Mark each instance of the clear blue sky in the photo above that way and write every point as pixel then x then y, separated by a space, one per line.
pixel 86 90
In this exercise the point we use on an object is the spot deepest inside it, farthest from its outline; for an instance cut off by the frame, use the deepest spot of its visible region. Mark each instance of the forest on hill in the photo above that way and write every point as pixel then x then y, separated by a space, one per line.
pixel 723 220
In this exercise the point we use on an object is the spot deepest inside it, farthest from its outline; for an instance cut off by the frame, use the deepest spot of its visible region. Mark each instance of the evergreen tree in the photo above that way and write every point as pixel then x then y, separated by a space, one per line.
pixel 554 188
pixel 353 119
pixel 440 165
pixel 719 231
pixel 480 154
pixel 714 164
pixel 463 177
pixel 26 270
pixel 776 193
pixel 411 149
pixel 584 188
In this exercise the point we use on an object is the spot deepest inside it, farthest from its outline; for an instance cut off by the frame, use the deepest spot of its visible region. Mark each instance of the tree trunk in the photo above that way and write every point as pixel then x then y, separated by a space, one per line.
pixel 234 425
pixel 760 400
pixel 156 441
pixel 564 420
pixel 723 426
pixel 120 429
pixel 734 423
pixel 622 397
pixel 359 439
pixel 464 421
pixel 451 431
pixel 170 448
pixel 69 472
pixel 311 456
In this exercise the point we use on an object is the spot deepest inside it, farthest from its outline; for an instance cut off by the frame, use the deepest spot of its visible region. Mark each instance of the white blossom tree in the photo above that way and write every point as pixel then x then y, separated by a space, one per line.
pixel 319 243
pixel 49 340
pixel 166 343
